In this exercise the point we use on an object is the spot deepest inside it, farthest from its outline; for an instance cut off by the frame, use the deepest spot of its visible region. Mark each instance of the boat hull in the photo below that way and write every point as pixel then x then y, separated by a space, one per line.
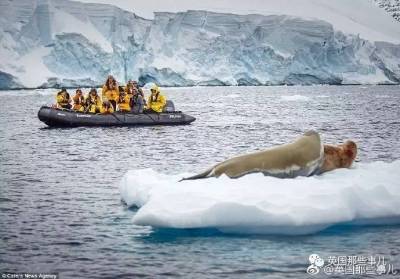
pixel 55 117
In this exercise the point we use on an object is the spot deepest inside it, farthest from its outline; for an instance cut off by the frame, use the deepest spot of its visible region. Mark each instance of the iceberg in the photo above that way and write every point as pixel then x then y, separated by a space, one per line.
pixel 67 43
pixel 367 194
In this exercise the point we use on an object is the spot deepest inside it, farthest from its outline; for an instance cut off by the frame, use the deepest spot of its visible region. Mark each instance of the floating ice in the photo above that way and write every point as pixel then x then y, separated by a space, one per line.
pixel 254 204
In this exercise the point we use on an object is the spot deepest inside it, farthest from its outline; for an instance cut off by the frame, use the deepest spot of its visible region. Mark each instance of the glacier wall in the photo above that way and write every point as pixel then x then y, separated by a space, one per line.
pixel 46 43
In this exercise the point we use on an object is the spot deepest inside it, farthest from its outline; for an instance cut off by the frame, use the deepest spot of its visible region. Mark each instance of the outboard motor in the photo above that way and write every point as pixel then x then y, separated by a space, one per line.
pixel 169 106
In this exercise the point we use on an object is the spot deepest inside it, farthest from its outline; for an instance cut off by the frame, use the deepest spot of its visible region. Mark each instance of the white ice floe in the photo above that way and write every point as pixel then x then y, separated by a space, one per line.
pixel 367 194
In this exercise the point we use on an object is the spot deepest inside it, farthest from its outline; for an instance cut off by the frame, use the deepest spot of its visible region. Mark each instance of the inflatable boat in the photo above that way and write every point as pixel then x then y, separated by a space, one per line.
pixel 55 117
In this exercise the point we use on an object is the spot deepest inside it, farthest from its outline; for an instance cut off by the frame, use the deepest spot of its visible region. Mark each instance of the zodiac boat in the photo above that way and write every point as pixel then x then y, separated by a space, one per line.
pixel 55 117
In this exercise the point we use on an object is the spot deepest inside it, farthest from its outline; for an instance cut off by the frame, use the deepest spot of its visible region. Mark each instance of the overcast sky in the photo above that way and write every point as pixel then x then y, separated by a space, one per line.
pixel 145 8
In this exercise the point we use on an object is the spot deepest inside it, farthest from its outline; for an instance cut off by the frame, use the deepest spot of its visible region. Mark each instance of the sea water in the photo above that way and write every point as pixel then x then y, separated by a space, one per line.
pixel 60 189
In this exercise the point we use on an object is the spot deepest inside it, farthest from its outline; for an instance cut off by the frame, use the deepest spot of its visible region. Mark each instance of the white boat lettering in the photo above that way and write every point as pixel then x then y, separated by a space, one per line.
pixel 60 114
pixel 175 116
pixel 82 115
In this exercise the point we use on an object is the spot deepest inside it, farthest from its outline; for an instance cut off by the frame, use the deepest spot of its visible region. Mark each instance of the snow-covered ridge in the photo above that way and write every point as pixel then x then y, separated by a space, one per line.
pixel 56 42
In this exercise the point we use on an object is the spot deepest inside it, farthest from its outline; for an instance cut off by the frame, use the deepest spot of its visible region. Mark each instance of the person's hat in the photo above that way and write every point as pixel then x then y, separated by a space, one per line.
pixel 155 88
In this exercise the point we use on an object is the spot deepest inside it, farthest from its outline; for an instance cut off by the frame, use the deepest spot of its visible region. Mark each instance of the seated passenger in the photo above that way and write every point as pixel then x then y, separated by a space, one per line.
pixel 137 102
pixel 63 99
pixel 132 88
pixel 124 102
pixel 156 101
pixel 140 91
pixel 132 84
pixel 107 107
pixel 110 91
pixel 129 87
pixel 93 102
pixel 79 101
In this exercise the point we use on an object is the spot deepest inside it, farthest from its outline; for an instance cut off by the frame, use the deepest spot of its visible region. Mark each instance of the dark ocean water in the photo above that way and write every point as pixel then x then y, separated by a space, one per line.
pixel 60 208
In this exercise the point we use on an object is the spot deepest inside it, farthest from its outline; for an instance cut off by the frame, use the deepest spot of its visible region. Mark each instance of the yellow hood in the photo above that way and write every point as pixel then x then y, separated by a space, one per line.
pixel 155 88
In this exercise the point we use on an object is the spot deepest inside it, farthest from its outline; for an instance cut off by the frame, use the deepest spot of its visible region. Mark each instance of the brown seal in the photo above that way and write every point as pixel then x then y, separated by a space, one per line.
pixel 340 156
pixel 302 157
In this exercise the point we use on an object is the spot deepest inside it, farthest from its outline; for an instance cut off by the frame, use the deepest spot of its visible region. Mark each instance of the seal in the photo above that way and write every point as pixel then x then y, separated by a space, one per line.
pixel 340 156
pixel 303 157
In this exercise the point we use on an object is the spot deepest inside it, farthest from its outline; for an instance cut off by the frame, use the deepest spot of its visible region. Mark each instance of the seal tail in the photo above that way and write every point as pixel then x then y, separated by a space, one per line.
pixel 199 176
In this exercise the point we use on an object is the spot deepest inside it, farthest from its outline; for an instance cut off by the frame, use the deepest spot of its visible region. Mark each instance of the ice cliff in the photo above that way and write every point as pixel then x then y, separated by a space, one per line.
pixel 56 42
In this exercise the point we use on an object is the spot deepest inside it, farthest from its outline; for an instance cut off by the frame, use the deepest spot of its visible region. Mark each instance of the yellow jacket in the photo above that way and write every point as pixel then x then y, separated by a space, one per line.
pixel 156 102
pixel 110 94
pixel 63 98
pixel 79 103
pixel 124 102
pixel 107 110
pixel 93 104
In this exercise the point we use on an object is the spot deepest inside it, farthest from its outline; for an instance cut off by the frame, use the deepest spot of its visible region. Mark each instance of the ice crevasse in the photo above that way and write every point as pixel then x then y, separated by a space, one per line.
pixel 367 194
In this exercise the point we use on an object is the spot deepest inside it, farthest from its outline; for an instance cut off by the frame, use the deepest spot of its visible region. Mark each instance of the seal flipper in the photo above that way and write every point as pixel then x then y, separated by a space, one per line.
pixel 204 174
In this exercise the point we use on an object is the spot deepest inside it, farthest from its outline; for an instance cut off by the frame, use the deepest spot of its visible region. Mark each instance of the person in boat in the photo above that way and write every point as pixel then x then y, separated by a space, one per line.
pixel 79 101
pixel 63 99
pixel 137 101
pixel 156 101
pixel 124 101
pixel 107 107
pixel 121 89
pixel 140 102
pixel 129 87
pixel 93 102
pixel 110 91
pixel 135 84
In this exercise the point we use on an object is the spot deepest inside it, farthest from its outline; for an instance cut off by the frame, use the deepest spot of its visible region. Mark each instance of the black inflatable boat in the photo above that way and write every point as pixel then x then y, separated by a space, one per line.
pixel 55 117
